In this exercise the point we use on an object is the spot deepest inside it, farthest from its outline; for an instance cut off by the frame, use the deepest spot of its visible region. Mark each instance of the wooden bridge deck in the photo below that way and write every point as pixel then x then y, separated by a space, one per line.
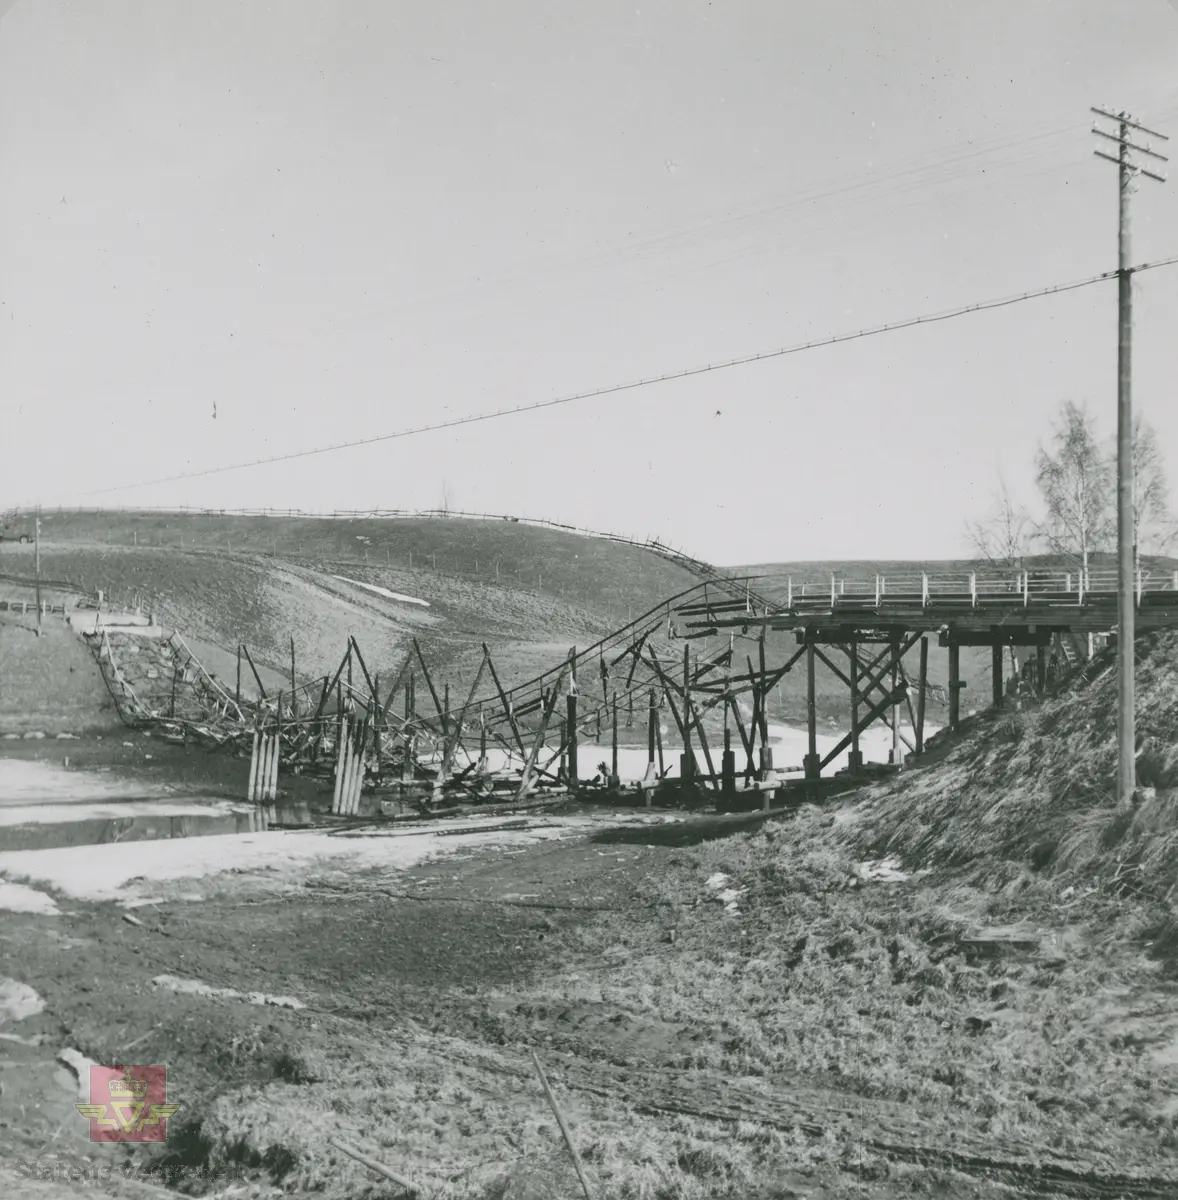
pixel 968 605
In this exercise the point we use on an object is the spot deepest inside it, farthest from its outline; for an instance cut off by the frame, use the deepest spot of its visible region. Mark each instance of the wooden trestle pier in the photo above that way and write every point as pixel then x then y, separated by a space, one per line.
pixel 706 658
pixel 874 624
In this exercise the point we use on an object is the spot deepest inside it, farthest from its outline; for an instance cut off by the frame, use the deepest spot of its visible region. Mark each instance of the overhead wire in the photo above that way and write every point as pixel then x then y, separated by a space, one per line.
pixel 648 381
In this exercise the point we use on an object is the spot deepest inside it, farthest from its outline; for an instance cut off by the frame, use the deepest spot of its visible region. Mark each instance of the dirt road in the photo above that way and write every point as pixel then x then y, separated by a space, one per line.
pixel 701 1048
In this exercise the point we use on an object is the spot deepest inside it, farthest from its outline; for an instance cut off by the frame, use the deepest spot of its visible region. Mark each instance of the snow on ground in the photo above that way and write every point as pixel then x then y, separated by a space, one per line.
pixel 17 898
pixel 372 587
pixel 130 871
pixel 197 987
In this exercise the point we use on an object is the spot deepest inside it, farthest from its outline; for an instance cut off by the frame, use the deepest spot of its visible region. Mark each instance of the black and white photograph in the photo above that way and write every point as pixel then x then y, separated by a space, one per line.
pixel 588 600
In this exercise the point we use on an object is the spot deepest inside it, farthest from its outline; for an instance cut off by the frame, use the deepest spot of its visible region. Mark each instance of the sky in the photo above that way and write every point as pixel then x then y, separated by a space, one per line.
pixel 232 230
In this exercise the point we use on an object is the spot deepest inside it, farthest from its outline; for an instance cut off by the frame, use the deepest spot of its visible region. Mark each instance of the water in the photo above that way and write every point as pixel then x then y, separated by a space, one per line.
pixel 44 806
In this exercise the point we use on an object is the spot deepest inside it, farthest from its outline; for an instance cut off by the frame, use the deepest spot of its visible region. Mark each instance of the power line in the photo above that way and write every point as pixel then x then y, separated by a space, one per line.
pixel 648 381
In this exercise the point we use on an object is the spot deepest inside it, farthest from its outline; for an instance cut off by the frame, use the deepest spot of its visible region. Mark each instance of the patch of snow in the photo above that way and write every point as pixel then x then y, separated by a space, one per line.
pixel 18 1001
pixel 196 987
pixel 380 591
pixel 886 870
pixel 17 898
pixel 80 1065
pixel 716 881
pixel 123 871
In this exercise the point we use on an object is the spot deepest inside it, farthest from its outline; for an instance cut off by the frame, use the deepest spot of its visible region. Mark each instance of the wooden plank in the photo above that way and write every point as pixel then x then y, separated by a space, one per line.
pixel 372 688
pixel 330 687
pixel 507 710
pixel 397 679
pixel 668 687
pixel 872 714
pixel 249 659
pixel 429 683
pixel 922 689
pixel 703 740
pixel 530 763
pixel 456 733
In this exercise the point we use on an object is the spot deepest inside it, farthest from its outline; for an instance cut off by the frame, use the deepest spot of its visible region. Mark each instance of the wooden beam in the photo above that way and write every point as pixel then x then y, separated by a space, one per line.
pixel 550 704
pixel 249 659
pixel 507 712
pixel 668 687
pixel 872 714
pixel 832 668
pixel 954 685
pixel 813 767
pixel 571 725
pixel 922 689
pixel 400 675
pixel 372 688
pixel 330 687
pixel 855 763
pixel 456 732
pixel 1040 635
pixel 744 739
pixel 429 683
pixel 693 717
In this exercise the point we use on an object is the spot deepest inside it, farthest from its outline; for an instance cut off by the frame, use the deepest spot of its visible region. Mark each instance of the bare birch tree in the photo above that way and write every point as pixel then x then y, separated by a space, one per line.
pixel 1003 539
pixel 1154 528
pixel 1076 482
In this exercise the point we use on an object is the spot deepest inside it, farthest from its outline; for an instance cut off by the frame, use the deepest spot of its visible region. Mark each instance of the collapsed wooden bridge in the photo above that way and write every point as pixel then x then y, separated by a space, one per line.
pixel 708 658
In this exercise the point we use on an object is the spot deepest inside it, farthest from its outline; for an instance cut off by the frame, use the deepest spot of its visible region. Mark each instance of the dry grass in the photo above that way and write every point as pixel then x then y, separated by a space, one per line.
pixel 606 578
pixel 1033 792
pixel 783 1047
pixel 51 683
pixel 876 991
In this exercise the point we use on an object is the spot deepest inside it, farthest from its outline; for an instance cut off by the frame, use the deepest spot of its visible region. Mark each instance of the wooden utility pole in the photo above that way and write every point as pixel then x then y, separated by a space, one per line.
pixel 1126 498
pixel 37 564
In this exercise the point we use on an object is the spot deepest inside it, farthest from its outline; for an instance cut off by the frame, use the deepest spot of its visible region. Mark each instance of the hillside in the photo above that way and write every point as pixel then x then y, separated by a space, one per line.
pixel 606 578
pixel 264 581
pixel 1031 793
pixel 49 684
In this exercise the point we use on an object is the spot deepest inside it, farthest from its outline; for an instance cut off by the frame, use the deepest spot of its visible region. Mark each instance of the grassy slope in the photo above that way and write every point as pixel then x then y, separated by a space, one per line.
pixel 263 579
pixel 220 599
pixel 605 578
pixel 51 683
pixel 1031 791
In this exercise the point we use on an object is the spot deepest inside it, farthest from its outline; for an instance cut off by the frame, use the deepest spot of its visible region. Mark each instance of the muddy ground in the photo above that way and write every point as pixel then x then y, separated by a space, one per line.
pixel 789 1031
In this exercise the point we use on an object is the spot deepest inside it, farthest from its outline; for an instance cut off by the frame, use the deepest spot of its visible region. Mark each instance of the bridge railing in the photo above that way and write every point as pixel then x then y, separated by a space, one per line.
pixel 1053 586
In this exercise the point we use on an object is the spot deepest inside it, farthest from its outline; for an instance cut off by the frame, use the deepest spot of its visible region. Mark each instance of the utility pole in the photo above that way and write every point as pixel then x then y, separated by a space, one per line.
pixel 1126 484
pixel 37 564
